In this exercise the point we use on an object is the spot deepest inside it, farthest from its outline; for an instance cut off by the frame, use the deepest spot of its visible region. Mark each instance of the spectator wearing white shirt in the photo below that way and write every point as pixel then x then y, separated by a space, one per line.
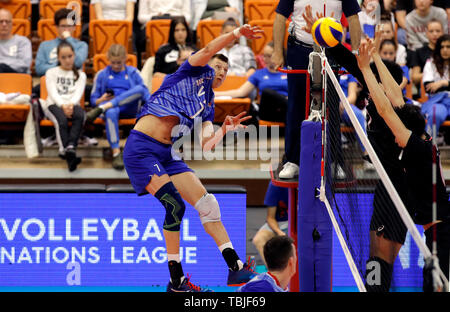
pixel 114 9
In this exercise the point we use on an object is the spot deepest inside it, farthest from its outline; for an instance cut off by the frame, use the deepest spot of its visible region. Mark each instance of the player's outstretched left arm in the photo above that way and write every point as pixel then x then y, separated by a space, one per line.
pixel 210 138
pixel 382 103
pixel 202 57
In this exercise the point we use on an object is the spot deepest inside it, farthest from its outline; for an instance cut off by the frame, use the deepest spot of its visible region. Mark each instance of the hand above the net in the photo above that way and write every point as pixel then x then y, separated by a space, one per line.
pixel 310 19
pixel 365 54
pixel 377 39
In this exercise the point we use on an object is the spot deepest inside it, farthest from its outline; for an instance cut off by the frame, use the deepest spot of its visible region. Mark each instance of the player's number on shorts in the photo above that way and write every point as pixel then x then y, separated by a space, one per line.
pixel 157 167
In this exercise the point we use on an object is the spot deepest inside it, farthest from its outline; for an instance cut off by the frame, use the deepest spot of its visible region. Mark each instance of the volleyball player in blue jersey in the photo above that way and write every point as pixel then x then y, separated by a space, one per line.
pixel 183 96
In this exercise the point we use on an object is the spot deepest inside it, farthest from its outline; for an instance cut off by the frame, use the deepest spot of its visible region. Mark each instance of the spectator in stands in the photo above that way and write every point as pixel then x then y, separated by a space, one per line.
pixel 435 29
pixel 416 22
pixel 276 223
pixel 272 86
pixel 436 79
pixel 281 259
pixel 241 59
pixel 114 9
pixel 164 9
pixel 367 16
pixel 403 8
pixel 46 56
pixel 205 9
pixel 15 50
pixel 388 51
pixel 65 86
pixel 167 55
pixel 388 32
pixel 117 91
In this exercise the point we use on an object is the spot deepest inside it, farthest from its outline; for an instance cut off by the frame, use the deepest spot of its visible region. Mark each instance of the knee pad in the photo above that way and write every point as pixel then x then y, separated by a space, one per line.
pixel 208 208
pixel 174 204
pixel 378 275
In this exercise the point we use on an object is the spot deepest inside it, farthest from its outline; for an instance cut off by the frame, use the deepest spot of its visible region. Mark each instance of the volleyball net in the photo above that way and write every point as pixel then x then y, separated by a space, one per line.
pixel 355 179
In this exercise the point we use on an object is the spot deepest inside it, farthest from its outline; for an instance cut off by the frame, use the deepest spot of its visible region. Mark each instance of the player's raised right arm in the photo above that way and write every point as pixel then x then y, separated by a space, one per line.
pixel 202 57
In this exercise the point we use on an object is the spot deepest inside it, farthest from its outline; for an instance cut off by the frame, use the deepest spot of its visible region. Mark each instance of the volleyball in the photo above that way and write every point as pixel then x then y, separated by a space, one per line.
pixel 327 32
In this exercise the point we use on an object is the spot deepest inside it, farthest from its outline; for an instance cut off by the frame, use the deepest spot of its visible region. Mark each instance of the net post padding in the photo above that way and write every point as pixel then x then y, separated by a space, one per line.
pixel 314 253
pixel 398 203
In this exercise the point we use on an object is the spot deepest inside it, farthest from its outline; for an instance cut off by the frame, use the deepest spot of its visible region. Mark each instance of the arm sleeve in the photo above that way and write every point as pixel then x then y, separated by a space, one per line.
pixel 250 61
pixel 350 7
pixel 52 90
pixel 285 7
pixel 159 61
pixel 42 64
pixel 428 72
pixel 80 84
pixel 81 51
pixel 25 55
pixel 96 89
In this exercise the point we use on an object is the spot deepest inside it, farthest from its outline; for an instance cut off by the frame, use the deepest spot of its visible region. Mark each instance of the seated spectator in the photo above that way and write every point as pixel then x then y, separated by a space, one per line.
pixel 436 79
pixel 114 9
pixel 65 87
pixel 46 56
pixel 15 50
pixel 167 55
pixel 367 16
pixel 117 91
pixel 276 223
pixel 272 86
pixel 388 32
pixel 421 55
pixel 281 259
pixel 402 8
pixel 150 9
pixel 241 59
pixel 205 9
pixel 416 22
pixel 388 51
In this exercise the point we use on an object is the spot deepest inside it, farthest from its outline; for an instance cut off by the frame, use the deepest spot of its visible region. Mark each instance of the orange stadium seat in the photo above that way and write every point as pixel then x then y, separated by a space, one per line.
pixel 260 9
pixel 257 45
pixel 224 107
pixel 47 8
pixel 18 8
pixel 106 32
pixel 157 33
pixel 9 83
pixel 47 30
pixel 207 31
pixel 92 15
pixel 21 27
pixel 101 61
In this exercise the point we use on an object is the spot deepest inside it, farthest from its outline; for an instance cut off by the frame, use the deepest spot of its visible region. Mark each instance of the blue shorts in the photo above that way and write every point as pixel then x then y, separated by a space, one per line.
pixel 143 157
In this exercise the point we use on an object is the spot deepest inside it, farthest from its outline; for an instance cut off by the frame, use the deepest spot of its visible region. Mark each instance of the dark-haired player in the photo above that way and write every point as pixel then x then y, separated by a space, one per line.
pixel 184 96
pixel 281 259
pixel 415 157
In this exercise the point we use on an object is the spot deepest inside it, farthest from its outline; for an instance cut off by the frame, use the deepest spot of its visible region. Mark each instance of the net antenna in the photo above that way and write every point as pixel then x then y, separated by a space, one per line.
pixel 398 203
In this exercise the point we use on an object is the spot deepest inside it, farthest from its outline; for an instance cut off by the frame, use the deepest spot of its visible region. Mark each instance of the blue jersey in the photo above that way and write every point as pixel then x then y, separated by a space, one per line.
pixel 263 78
pixel 187 94
pixel 263 282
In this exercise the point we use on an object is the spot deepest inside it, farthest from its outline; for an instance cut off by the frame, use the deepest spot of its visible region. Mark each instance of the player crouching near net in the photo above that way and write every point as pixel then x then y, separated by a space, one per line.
pixel 183 96
pixel 408 127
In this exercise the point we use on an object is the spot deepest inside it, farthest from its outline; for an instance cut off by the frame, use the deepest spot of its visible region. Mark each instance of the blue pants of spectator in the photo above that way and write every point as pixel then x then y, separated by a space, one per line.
pixel 361 119
pixel 441 103
pixel 125 106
